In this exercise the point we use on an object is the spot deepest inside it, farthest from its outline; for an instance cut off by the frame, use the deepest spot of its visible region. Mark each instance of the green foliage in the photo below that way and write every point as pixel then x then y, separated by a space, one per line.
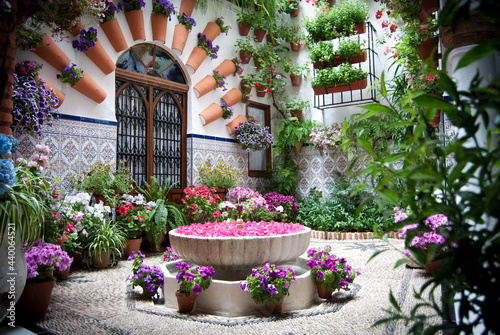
pixel 343 74
pixel 466 191
pixel 165 212
pixel 290 132
pixel 344 210
pixel 154 191
pixel 282 178
pixel 106 237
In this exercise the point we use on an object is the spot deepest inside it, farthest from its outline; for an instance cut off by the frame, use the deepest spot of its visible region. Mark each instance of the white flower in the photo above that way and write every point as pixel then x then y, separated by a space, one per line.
pixel 225 204
pixel 279 209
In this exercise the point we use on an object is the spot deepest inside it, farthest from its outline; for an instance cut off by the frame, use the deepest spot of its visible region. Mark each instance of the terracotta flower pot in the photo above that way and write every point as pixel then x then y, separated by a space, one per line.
pixel 360 28
pixel 271 39
pixel 135 20
pixel 295 46
pixel 55 92
pixel 133 245
pixel 245 86
pixel 296 79
pixel 245 56
pixel 295 12
pixel 226 68
pixel 476 30
pixel 179 39
pixel 89 87
pixel 358 59
pixel 323 293
pixel 52 54
pixel 232 97
pixel 62 275
pixel 98 55
pixel 212 30
pixel 159 27
pixel 330 3
pixel 274 308
pixel 430 6
pixel 357 85
pixel 210 114
pixel 243 28
pixel 185 301
pixel 259 34
pixel 261 91
pixel 433 266
pixel 197 57
pixel 115 35
pixel 36 298
pixel 152 245
pixel 297 114
pixel 234 123
pixel 187 7
pixel 204 86
pixel 436 119
pixel 77 29
pixel 427 49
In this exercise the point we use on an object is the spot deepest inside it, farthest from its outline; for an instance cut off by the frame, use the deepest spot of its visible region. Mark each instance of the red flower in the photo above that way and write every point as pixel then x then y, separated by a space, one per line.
pixel 122 210
pixel 271 68
pixel 393 28
pixel 378 15
pixel 268 90
pixel 324 10
pixel 268 80
pixel 385 24
pixel 216 214
pixel 256 85
pixel 140 217
pixel 70 227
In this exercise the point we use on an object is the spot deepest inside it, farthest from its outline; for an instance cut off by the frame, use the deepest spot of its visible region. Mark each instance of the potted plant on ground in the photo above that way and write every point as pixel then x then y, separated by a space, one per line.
pixel 221 176
pixel 269 285
pixel 149 278
pixel 330 272
pixel 42 259
pixel 200 204
pixel 192 282
pixel 132 217
pixel 104 242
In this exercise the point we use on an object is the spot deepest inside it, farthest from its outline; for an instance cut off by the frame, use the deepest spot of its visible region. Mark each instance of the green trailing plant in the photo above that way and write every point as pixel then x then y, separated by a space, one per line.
pixel 105 238
pixel 291 132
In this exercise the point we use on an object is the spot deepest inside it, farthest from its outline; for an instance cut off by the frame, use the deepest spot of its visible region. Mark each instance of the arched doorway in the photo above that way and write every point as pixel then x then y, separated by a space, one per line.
pixel 151 110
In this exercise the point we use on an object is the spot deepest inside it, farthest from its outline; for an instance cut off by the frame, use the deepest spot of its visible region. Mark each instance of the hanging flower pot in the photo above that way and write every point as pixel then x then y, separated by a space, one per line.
pixel 357 85
pixel 245 56
pixel 436 119
pixel 204 86
pixel 179 39
pixel 187 7
pixel 243 28
pixel 185 301
pixel 296 79
pixel 98 55
pixel 297 114
pixel 430 6
pixel 133 245
pixel 36 298
pixel 261 91
pixel 159 27
pixel 319 65
pixel 330 3
pixel 212 30
pixel 271 39
pixel 135 20
pixel 51 53
pixel 259 34
pixel 226 68
pixel 232 97
pixel 235 123
pixel 197 57
pixel 89 87
pixel 78 27
pixel 295 12
pixel 115 35
pixel 360 28
pixel 428 48
pixel 294 45
pixel 358 59
pixel 55 92
pixel 245 86
pixel 210 114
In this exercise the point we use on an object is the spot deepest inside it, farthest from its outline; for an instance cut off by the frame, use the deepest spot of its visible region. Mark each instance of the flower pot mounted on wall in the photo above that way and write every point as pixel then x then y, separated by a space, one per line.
pixel 115 35
pixel 232 97
pixel 296 79
pixel 55 92
pixel 179 39
pixel 197 57
pixel 226 68
pixel 259 34
pixel 52 54
pixel 357 85
pixel 243 28
pixel 204 86
pixel 159 27
pixel 135 20
pixel 210 114
pixel 187 7
pixel 235 123
pixel 76 30
pixel 245 56
pixel 212 30
pixel 89 87
pixel 98 55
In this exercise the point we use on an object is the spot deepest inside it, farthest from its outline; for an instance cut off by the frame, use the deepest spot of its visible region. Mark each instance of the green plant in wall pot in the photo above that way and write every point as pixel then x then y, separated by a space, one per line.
pixel 296 104
pixel 343 74
pixel 104 243
pixel 245 47
pixel 350 47
pixel 291 132
pixel 321 52
pixel 348 13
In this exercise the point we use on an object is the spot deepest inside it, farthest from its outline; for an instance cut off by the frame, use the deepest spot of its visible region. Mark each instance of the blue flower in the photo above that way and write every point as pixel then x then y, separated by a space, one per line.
pixel 5 145
pixel 7 175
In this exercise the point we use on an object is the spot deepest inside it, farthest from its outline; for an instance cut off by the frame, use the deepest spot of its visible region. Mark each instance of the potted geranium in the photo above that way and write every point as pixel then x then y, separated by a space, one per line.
pixel 330 272
pixel 251 135
pixel 193 282
pixel 200 204
pixel 42 259
pixel 149 278
pixel 131 217
pixel 220 176
pixel 269 285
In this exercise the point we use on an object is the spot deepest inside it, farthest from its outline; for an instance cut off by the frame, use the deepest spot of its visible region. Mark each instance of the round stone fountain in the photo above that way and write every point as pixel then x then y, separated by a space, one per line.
pixel 233 259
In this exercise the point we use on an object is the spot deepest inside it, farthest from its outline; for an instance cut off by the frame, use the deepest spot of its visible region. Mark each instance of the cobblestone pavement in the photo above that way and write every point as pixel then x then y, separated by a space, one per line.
pixel 100 301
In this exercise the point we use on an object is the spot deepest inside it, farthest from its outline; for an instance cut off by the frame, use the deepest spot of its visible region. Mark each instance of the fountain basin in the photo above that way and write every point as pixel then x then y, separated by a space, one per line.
pixel 226 298
pixel 234 257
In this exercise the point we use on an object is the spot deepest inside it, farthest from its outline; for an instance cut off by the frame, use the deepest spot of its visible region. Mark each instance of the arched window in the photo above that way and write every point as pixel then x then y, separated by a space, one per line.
pixel 151 116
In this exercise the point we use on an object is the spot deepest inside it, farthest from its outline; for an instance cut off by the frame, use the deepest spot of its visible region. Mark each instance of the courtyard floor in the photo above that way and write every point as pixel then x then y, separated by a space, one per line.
pixel 101 302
